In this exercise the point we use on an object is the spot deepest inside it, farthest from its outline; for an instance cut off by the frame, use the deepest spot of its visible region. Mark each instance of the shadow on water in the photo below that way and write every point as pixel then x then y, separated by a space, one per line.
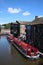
pixel 41 62
pixel 10 56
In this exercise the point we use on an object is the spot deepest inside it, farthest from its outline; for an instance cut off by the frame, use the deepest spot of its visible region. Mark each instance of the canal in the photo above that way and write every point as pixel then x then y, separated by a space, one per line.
pixel 10 56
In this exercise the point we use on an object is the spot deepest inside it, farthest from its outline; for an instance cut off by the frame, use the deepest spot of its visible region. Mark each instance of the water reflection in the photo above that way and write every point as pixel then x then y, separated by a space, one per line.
pixel 11 50
pixel 0 36
pixel 10 56
pixel 41 62
pixel 24 60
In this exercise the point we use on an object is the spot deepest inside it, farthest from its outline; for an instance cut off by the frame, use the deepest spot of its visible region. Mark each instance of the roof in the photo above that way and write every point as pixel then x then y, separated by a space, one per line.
pixel 34 22
pixel 23 22
pixel 38 21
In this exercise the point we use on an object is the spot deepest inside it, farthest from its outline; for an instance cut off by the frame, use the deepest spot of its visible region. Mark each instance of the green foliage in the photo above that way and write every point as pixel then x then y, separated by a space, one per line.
pixel 6 26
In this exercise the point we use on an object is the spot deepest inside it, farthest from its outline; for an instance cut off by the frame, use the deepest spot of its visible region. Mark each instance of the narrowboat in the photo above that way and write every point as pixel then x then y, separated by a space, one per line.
pixel 26 49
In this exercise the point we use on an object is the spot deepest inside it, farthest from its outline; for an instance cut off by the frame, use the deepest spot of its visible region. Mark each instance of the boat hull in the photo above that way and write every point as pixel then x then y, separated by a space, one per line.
pixel 27 56
pixel 15 44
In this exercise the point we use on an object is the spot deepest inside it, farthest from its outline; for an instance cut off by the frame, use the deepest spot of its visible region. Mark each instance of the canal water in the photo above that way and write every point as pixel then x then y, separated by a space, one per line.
pixel 10 56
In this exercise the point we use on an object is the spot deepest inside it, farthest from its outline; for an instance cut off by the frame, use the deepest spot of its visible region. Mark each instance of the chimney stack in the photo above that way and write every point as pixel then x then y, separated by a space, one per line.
pixel 36 17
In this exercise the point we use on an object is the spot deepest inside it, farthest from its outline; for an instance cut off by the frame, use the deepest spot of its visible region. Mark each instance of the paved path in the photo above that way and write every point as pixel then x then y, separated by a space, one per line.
pixel 3 31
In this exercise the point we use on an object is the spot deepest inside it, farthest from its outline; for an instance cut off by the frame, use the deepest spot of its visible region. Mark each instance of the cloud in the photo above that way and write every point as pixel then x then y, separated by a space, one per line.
pixel 26 13
pixel 14 10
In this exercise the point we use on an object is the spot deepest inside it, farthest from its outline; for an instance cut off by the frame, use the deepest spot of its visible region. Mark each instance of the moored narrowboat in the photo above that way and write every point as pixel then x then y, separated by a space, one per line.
pixel 26 49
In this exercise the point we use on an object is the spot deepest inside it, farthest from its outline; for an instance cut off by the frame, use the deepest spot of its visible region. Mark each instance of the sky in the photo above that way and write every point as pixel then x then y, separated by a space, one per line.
pixel 23 10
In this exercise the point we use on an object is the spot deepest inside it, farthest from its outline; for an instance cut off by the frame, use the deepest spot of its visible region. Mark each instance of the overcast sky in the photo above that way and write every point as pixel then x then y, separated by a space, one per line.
pixel 24 10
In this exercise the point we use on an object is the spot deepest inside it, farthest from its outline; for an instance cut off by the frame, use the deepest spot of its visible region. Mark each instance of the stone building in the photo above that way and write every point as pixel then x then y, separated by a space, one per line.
pixel 35 28
pixel 23 28
pixel 32 32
